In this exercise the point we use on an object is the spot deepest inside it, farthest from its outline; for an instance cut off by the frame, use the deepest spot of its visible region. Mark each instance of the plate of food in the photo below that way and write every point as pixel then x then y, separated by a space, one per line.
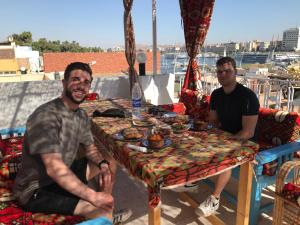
pixel 156 141
pixel 129 134
pixel 147 122
pixel 198 125
pixel 180 127
pixel 176 119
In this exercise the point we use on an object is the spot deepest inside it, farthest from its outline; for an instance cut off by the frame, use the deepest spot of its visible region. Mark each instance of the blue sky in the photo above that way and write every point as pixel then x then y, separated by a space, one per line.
pixel 100 22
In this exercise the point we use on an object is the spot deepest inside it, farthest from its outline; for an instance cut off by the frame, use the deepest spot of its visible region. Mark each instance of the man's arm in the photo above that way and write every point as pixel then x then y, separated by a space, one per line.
pixel 93 154
pixel 213 118
pixel 248 127
pixel 64 177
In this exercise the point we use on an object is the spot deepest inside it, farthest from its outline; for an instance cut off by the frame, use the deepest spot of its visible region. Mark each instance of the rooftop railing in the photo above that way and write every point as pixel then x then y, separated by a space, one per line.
pixel 272 93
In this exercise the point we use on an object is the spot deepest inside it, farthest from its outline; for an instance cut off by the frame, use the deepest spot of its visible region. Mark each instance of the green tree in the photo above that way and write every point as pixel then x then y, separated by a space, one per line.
pixel 44 45
pixel 25 38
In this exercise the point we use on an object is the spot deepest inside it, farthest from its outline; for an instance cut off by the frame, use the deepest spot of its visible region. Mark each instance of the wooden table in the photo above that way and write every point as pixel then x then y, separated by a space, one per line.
pixel 192 156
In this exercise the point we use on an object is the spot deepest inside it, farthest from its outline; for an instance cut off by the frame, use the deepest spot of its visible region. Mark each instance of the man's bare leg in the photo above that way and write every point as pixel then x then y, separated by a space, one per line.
pixel 222 180
pixel 212 202
pixel 85 208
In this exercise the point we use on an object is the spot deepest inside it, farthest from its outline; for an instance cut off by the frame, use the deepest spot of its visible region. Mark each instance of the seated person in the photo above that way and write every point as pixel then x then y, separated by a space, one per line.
pixel 51 180
pixel 233 108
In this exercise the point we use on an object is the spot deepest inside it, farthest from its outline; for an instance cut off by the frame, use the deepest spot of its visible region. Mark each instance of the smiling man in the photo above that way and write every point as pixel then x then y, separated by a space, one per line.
pixel 51 179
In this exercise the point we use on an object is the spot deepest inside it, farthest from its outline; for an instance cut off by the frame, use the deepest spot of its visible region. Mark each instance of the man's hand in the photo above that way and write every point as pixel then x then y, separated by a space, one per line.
pixel 105 178
pixel 102 200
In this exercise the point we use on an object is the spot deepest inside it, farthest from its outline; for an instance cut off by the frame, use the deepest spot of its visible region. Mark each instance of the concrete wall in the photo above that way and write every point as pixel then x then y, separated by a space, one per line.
pixel 19 100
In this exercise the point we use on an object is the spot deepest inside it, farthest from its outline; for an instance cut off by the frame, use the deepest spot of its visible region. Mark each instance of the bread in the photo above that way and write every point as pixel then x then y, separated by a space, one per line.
pixel 132 133
pixel 155 141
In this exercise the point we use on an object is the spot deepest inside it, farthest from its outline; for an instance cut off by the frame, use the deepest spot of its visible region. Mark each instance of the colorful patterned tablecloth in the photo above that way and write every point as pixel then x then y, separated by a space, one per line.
pixel 191 156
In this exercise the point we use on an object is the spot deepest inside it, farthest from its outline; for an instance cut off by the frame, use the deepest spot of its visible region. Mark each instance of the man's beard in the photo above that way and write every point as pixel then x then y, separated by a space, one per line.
pixel 69 95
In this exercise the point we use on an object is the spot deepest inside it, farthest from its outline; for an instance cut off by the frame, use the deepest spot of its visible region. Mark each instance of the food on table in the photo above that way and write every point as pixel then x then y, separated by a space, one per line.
pixel 132 133
pixel 176 119
pixel 179 127
pixel 198 124
pixel 155 141
pixel 164 130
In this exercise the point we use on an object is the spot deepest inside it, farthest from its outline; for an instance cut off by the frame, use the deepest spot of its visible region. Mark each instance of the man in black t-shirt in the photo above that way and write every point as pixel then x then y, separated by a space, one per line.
pixel 233 108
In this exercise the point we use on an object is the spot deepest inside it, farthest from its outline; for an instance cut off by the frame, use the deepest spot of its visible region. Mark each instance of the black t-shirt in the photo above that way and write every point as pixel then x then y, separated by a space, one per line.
pixel 231 107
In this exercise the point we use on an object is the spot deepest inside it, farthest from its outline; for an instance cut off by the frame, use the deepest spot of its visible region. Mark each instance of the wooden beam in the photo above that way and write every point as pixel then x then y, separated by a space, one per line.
pixel 244 194
pixel 154 215
pixel 213 219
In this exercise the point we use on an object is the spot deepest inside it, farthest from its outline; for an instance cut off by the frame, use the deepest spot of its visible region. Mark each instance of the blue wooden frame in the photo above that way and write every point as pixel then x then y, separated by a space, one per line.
pixel 11 131
pixel 286 152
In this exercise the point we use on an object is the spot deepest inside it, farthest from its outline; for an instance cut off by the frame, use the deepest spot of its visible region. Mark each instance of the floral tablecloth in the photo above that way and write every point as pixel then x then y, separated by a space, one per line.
pixel 191 156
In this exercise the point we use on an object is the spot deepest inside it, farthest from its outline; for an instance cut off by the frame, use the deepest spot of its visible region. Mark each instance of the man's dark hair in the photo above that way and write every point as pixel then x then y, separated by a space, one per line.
pixel 77 66
pixel 226 59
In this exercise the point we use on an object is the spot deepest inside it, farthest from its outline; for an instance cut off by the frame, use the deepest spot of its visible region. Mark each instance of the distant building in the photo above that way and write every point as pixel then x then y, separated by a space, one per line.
pixel 263 46
pixel 8 67
pixel 116 49
pixel 232 47
pixel 22 56
pixel 28 58
pixel 276 45
pixel 218 49
pixel 291 39
pixel 252 46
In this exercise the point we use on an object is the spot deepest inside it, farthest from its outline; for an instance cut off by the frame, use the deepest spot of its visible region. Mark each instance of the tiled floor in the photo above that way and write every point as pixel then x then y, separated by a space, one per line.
pixel 130 193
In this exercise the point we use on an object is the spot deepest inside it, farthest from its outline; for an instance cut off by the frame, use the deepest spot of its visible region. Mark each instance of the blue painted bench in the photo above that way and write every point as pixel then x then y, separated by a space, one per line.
pixel 278 134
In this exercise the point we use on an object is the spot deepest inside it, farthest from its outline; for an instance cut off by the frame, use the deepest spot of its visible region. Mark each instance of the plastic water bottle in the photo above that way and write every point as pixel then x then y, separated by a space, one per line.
pixel 136 98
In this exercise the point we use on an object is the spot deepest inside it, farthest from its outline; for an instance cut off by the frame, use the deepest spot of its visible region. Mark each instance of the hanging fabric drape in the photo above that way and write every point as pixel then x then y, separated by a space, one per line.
pixel 196 16
pixel 129 42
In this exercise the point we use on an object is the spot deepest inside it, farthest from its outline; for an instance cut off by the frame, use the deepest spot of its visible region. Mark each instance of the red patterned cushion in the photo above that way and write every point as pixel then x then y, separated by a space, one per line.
pixel 9 167
pixel 10 213
pixel 196 105
pixel 277 127
pixel 92 96
pixel 179 107
pixel 11 146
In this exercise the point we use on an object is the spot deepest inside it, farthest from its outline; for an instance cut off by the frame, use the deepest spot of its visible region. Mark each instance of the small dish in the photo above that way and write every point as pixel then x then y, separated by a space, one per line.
pixel 167 142
pixel 180 128
pixel 120 137
pixel 142 123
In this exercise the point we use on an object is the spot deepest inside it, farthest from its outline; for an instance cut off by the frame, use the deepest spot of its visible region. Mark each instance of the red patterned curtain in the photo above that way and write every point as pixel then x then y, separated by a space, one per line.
pixel 196 16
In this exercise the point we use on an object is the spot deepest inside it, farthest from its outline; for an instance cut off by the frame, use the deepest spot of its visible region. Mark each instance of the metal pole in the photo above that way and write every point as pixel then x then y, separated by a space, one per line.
pixel 154 45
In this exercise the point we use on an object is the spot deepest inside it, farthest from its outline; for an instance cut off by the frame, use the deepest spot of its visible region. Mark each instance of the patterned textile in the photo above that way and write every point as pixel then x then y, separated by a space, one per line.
pixel 10 213
pixel 11 152
pixel 275 128
pixel 92 96
pixel 191 156
pixel 130 43
pixel 9 167
pixel 197 105
pixel 178 108
pixel 196 15
pixel 11 146
pixel 278 127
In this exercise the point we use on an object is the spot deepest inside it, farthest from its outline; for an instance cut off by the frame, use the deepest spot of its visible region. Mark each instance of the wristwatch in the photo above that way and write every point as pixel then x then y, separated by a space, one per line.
pixel 102 162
